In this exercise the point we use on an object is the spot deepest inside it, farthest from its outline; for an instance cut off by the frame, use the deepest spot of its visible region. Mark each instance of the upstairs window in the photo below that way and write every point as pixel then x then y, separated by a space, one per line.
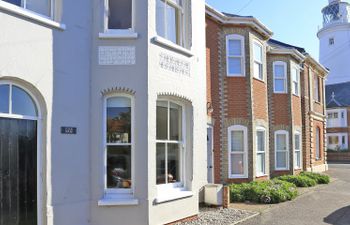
pixel 119 14
pixel 280 77
pixel 296 81
pixel 42 7
pixel 258 61
pixel 173 21
pixel 235 55
pixel 331 41
pixel 317 89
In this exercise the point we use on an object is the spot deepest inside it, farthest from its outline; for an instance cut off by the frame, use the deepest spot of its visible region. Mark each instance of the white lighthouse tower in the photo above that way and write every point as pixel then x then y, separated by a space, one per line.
pixel 335 41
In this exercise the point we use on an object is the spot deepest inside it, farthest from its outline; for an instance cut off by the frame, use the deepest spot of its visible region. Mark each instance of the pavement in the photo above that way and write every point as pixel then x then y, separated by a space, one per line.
pixel 325 204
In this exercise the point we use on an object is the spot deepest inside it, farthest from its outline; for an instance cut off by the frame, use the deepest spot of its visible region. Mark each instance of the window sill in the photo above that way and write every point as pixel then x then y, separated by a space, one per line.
pixel 298 96
pixel 317 102
pixel 118 200
pixel 281 169
pixel 127 34
pixel 258 79
pixel 31 15
pixel 235 75
pixel 171 195
pixel 172 46
pixel 238 177
pixel 280 92
pixel 261 175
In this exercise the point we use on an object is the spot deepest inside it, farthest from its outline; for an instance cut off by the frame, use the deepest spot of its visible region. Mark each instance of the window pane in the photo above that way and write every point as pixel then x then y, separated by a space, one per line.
pixel 4 98
pixel 22 103
pixel 175 122
pixel 234 65
pixel 237 164
pixel 234 48
pixel 15 2
pixel 258 70
pixel 237 141
pixel 260 136
pixel 281 159
pixel 162 120
pixel 119 167
pixel 161 163
pixel 297 142
pixel 281 144
pixel 279 71
pixel 343 140
pixel 279 85
pixel 295 88
pixel 39 6
pixel 173 163
pixel 160 17
pixel 260 163
pixel 297 159
pixel 257 52
pixel 171 23
pixel 120 13
pixel 119 120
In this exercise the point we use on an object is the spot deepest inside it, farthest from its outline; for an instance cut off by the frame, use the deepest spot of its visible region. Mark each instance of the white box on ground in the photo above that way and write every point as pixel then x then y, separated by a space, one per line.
pixel 213 194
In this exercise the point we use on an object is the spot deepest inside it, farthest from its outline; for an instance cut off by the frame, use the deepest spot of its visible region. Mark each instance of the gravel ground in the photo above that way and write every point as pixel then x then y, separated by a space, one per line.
pixel 213 216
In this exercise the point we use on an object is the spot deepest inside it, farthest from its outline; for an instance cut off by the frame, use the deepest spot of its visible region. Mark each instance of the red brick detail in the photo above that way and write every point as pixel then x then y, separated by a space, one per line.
pixel 281 173
pixel 296 110
pixel 237 97
pixel 280 109
pixel 237 181
pixel 226 197
pixel 260 100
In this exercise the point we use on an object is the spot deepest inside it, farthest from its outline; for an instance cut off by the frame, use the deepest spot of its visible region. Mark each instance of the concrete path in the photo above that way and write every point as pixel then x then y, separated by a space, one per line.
pixel 329 204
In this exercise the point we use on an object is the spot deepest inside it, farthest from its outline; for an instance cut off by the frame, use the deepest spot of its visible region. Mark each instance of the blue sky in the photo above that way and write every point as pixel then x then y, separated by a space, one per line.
pixel 293 21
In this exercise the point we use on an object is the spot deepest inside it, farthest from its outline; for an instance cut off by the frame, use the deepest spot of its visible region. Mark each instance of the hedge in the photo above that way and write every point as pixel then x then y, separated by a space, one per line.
pixel 319 178
pixel 299 181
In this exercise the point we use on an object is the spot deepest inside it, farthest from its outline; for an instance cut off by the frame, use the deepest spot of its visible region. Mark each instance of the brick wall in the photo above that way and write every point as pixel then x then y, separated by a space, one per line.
pixel 338 156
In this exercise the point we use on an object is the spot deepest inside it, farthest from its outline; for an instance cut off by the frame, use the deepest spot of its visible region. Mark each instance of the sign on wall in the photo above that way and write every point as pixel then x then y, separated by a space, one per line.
pixel 116 55
pixel 68 130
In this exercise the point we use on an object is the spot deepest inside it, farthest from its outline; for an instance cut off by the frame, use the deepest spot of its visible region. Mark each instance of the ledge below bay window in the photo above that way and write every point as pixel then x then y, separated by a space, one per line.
pixel 118 200
pixel 118 34
pixel 172 194
pixel 31 15
pixel 166 43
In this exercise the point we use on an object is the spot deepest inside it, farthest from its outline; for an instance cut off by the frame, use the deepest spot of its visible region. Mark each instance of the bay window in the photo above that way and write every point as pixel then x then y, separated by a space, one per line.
pixel 261 151
pixel 280 77
pixel 118 143
pixel 173 21
pixel 281 150
pixel 169 147
pixel 237 150
pixel 296 81
pixel 235 55
pixel 42 7
pixel 297 151
pixel 258 61
pixel 119 14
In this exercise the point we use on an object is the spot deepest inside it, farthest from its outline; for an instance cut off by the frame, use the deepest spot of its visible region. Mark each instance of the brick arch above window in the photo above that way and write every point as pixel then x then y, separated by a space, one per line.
pixel 175 95
pixel 117 90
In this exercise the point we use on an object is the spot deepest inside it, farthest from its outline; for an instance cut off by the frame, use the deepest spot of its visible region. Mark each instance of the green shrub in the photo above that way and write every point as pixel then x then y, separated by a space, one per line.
pixel 319 178
pixel 268 192
pixel 299 181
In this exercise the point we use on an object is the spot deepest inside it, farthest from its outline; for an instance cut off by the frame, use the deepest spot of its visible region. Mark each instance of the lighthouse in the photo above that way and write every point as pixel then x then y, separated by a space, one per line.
pixel 334 39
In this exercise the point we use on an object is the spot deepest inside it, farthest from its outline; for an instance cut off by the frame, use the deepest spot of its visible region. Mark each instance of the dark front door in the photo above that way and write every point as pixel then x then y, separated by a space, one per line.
pixel 18 176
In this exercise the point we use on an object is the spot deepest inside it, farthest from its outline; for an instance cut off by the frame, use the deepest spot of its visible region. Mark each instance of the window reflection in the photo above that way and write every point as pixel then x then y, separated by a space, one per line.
pixel 22 103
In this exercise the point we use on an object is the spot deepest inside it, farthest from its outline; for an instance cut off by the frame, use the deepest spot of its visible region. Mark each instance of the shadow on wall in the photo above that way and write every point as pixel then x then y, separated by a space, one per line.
pixel 339 217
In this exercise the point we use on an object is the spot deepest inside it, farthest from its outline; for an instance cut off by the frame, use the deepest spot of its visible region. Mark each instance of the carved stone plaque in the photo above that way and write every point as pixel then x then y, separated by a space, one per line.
pixel 175 65
pixel 116 55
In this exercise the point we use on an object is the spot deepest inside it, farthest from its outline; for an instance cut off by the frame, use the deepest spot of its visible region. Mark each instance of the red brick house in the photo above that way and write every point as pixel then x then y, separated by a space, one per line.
pixel 258 100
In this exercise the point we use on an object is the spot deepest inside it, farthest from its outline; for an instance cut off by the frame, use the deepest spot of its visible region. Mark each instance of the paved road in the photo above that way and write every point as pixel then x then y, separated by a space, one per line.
pixel 329 204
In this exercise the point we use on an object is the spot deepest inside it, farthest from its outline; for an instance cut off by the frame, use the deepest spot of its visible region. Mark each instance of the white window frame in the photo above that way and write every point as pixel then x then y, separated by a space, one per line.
pixel 242 56
pixel 114 191
pixel 182 146
pixel 245 151
pixel 296 150
pixel 316 85
pixel 295 81
pixel 122 33
pixel 261 129
pixel 318 144
pixel 259 76
pixel 286 133
pixel 284 64
pixel 24 7
pixel 182 23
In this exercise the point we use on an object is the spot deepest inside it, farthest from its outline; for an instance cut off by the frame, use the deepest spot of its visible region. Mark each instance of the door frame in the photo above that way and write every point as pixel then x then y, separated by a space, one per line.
pixel 211 127
pixel 39 153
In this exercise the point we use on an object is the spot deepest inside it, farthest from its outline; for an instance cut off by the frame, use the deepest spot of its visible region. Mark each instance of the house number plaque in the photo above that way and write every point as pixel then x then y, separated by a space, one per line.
pixel 68 130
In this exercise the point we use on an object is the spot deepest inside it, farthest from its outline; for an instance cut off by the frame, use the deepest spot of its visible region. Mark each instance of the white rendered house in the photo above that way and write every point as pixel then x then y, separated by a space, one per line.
pixel 106 98
pixel 335 42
